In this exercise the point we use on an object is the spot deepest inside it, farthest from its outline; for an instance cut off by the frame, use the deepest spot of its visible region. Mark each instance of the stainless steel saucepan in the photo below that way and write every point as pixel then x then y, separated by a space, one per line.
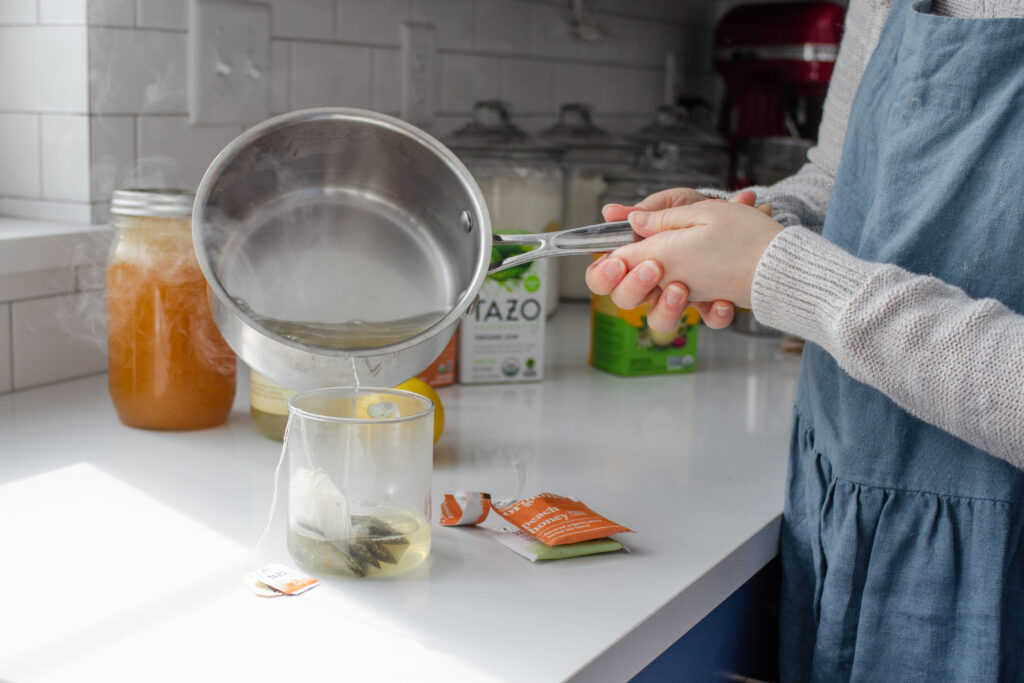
pixel 340 240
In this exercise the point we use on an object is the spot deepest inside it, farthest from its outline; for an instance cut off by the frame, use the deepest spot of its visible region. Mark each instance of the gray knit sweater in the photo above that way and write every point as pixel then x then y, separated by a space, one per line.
pixel 953 361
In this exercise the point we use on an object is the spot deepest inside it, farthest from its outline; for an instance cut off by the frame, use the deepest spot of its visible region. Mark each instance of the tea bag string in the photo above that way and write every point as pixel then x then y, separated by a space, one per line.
pixel 273 499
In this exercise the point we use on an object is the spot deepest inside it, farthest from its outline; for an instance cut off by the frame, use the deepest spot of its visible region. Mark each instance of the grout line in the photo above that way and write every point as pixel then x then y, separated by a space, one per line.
pixel 112 27
pixel 137 144
pixel 27 112
pixel 73 378
pixel 10 334
pixel 39 143
pixel 288 75
pixel 23 198
pixel 552 60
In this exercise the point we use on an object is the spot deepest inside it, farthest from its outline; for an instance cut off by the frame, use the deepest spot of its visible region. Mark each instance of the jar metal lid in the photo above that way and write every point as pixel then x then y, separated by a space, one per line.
pixel 152 202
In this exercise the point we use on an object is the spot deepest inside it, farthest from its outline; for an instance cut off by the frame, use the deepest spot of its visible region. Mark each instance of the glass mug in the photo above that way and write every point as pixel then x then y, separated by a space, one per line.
pixel 360 464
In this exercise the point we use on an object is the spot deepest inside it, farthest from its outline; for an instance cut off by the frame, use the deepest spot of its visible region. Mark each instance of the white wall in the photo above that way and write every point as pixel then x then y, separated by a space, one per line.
pixel 93 92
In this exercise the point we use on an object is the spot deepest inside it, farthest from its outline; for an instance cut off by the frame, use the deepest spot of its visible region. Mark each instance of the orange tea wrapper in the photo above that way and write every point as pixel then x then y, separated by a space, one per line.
pixel 551 519
pixel 473 510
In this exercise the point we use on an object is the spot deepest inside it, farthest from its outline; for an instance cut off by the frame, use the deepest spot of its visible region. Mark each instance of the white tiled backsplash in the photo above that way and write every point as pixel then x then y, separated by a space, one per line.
pixel 93 97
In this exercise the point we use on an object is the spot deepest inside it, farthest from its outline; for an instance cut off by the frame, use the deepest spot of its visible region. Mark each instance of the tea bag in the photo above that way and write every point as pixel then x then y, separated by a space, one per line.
pixel 319 505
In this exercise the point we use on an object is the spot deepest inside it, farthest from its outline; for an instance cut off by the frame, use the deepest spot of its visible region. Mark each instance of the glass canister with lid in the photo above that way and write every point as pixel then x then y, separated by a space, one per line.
pixel 519 176
pixel 589 153
pixel 169 366
pixel 675 143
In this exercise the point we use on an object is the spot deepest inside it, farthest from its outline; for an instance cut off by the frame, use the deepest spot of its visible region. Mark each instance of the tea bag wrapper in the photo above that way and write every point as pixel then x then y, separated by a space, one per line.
pixel 541 527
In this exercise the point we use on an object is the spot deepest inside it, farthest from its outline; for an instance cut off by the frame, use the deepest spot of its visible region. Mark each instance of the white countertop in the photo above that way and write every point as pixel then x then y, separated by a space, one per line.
pixel 122 551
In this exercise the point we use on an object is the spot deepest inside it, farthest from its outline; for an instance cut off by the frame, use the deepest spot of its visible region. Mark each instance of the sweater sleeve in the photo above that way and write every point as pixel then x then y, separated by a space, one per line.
pixel 948 359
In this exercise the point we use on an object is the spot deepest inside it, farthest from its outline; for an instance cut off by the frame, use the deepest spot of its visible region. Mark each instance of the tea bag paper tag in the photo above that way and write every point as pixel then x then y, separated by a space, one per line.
pixel 285 579
pixel 259 588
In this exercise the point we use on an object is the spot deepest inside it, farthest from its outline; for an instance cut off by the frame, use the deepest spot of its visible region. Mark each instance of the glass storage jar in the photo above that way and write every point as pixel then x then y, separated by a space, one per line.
pixel 520 178
pixel 268 405
pixel 675 143
pixel 589 154
pixel 169 366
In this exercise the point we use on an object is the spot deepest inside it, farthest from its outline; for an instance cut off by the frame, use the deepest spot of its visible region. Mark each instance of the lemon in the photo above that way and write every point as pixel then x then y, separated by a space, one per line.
pixel 418 386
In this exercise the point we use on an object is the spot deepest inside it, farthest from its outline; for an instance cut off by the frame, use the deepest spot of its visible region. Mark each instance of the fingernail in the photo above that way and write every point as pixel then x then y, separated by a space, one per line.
pixel 638 219
pixel 614 268
pixel 673 296
pixel 722 309
pixel 606 207
pixel 647 272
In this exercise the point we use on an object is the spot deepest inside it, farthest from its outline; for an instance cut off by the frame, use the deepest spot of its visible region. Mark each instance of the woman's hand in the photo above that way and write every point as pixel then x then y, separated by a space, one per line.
pixel 716 314
pixel 704 251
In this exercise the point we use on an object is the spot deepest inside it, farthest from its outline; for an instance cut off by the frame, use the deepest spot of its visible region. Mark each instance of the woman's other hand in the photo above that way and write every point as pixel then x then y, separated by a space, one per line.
pixel 710 264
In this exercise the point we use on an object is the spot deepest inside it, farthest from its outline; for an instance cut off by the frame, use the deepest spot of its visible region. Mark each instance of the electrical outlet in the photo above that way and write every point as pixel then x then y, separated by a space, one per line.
pixel 419 56
pixel 228 62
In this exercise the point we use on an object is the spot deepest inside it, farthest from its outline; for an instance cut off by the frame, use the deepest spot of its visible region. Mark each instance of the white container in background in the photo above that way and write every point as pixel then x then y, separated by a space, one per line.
pixel 521 180
pixel 589 154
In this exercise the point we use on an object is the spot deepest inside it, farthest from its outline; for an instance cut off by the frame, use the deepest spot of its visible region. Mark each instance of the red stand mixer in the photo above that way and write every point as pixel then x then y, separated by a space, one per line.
pixel 776 61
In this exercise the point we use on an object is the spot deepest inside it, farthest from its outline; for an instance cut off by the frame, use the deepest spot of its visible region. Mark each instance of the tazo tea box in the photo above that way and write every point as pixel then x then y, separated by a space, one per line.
pixel 621 342
pixel 502 338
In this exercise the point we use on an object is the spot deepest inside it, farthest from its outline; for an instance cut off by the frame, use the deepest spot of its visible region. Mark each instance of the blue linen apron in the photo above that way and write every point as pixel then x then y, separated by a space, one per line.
pixel 903 546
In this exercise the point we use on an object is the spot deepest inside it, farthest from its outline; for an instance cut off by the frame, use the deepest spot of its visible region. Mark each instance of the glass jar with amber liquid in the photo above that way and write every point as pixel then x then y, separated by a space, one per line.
pixel 268 406
pixel 169 366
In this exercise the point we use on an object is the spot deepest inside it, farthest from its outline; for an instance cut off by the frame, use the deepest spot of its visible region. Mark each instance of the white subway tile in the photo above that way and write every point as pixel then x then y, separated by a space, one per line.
pixel 112 12
pixel 174 155
pixel 91 277
pixel 112 155
pixel 5 349
pixel 578 83
pixel 162 14
pixel 465 80
pixel 606 50
pixel 644 42
pixel 385 94
pixel 698 50
pixel 137 71
pixel 677 11
pixel 46 245
pixel 68 12
pixel 327 75
pixel 502 26
pixel 58 338
pixel 19 161
pixel 549 32
pixel 704 84
pixel 279 70
pixel 453 20
pixel 370 21
pixel 46 210
pixel 671 39
pixel 18 12
pixel 303 19
pixel 631 91
pixel 36 283
pixel 65 156
pixel 528 85
pixel 43 69
pixel 100 213
pixel 168 14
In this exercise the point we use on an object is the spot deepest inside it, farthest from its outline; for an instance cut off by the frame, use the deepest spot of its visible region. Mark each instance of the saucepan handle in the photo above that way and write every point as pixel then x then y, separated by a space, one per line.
pixel 588 239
